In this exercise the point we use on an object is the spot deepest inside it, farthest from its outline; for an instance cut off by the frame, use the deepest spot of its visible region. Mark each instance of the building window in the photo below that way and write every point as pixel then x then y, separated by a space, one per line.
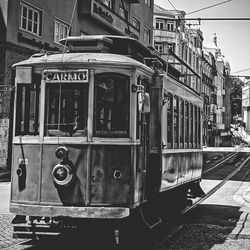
pixel 159 47
pixel 60 31
pixel 31 19
pixel 148 2
pixel 123 13
pixel 159 25
pixel 190 58
pixel 171 46
pixel 136 23
pixel 108 3
pixel 146 35
pixel 170 25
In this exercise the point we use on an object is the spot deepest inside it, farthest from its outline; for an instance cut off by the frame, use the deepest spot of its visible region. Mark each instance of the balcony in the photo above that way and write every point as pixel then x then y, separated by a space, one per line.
pixel 164 35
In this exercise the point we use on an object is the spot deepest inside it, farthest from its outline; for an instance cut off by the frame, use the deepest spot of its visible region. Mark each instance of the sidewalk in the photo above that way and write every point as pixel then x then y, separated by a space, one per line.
pixel 6 228
pixel 242 196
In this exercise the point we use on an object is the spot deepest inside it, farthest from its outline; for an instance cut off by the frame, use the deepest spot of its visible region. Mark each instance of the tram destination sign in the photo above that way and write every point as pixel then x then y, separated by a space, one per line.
pixel 80 75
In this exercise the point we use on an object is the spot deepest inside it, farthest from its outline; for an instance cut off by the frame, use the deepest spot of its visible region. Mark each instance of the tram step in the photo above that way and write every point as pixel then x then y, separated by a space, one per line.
pixel 31 235
pixel 40 230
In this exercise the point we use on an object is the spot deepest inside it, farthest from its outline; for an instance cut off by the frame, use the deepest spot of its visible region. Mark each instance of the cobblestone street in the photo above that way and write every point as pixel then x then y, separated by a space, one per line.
pixel 6 231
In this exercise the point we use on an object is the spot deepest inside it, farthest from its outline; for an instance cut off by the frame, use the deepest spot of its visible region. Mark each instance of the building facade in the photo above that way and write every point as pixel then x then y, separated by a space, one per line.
pixel 34 26
pixel 209 72
pixel 246 105
pixel 219 133
pixel 171 34
pixel 203 68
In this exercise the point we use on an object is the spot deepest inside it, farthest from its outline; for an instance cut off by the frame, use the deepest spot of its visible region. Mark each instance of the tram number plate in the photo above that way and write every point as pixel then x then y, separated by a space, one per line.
pixel 24 161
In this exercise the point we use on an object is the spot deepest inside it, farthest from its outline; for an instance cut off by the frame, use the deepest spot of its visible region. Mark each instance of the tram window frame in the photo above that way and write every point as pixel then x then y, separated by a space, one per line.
pixel 107 127
pixel 139 115
pixel 28 107
pixel 186 125
pixel 195 127
pixel 191 124
pixel 181 122
pixel 199 128
pixel 176 121
pixel 67 105
pixel 169 103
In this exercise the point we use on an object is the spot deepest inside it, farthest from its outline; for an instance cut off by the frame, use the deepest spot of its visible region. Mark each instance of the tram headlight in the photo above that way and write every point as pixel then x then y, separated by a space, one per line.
pixel 62 152
pixel 62 174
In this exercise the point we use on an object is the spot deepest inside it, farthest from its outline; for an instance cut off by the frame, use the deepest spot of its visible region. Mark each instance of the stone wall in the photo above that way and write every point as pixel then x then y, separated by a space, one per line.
pixel 9 56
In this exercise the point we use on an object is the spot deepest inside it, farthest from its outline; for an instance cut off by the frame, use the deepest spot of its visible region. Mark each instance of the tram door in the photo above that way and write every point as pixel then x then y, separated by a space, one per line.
pixel 148 120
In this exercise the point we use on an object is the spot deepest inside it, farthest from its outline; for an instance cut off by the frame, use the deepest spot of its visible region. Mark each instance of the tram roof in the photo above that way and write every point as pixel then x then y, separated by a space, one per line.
pixel 114 44
pixel 81 58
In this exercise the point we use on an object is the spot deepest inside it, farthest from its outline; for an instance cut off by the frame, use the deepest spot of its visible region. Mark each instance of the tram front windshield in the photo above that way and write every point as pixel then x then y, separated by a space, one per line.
pixel 67 107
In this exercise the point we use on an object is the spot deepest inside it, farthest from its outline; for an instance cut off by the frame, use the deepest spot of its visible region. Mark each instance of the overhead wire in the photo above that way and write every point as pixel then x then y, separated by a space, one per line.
pixel 172 5
pixel 241 71
pixel 208 7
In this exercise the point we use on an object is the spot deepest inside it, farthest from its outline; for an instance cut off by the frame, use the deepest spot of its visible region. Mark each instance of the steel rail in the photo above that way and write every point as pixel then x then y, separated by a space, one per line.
pixel 213 190
pixel 218 164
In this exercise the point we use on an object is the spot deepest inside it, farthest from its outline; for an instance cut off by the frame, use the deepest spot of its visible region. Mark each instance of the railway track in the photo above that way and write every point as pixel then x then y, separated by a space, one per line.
pixel 209 166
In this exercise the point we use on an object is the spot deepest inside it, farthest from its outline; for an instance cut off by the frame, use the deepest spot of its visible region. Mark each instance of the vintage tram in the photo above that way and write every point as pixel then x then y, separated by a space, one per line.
pixel 102 132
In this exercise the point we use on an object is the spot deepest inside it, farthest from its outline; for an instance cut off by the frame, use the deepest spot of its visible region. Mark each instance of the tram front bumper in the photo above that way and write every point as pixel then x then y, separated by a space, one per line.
pixel 73 212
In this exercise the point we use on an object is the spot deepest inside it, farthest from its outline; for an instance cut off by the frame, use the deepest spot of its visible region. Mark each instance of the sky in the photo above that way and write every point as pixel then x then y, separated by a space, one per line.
pixel 233 37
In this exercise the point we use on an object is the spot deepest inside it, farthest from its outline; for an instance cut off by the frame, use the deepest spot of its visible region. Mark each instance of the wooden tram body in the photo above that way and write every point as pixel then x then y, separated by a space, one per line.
pixel 85 143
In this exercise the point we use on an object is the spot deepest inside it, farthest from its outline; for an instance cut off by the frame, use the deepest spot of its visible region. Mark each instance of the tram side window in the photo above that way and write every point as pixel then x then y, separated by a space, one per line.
pixel 191 130
pixel 66 109
pixel 169 103
pixel 186 124
pixel 199 128
pixel 182 120
pixel 27 107
pixel 176 121
pixel 195 128
pixel 111 115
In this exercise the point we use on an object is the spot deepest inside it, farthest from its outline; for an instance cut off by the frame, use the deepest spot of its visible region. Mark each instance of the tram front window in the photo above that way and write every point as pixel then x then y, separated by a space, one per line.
pixel 111 105
pixel 27 107
pixel 66 109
